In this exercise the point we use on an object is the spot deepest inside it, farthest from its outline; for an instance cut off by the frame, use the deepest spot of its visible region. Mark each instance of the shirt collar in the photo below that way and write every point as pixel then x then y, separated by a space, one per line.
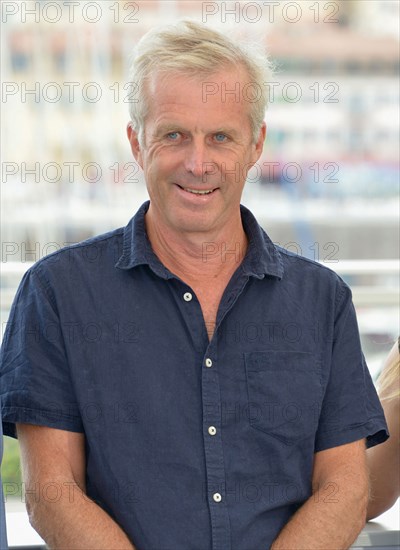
pixel 262 257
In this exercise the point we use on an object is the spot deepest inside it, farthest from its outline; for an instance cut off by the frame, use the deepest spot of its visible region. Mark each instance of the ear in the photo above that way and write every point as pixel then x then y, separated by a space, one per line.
pixel 135 147
pixel 261 139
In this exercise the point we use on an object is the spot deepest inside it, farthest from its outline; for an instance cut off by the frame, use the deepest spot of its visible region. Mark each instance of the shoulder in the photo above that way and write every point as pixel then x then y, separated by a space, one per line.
pixel 101 248
pixel 313 284
pixel 82 263
pixel 299 267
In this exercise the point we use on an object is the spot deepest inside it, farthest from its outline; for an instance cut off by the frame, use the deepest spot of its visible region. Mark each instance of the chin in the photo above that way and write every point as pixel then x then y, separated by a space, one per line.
pixel 192 223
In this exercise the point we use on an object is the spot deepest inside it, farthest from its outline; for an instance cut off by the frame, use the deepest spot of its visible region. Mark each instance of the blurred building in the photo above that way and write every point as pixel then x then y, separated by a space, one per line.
pixel 332 121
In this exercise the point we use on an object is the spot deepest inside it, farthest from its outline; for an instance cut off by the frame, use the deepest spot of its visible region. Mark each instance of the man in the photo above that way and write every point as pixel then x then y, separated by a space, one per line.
pixel 182 383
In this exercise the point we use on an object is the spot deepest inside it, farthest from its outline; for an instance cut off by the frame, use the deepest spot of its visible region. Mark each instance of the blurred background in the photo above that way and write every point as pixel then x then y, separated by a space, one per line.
pixel 326 186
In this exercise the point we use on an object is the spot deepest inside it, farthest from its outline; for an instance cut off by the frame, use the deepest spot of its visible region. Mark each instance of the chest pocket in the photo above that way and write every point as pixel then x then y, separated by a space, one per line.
pixel 284 393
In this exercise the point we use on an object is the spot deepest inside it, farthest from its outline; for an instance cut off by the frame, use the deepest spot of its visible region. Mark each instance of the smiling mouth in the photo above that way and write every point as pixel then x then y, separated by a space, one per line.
pixel 198 191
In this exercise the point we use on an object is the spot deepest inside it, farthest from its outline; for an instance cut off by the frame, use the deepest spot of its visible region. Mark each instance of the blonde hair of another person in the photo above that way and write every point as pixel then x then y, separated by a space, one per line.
pixel 190 48
pixel 384 459
pixel 389 379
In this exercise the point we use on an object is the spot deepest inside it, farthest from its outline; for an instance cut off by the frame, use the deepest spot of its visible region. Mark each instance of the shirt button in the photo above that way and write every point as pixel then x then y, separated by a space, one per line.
pixel 212 430
pixel 208 362
pixel 217 497
pixel 187 296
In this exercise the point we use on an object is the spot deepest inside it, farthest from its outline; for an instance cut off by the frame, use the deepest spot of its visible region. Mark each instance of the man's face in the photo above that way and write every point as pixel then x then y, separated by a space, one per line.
pixel 197 150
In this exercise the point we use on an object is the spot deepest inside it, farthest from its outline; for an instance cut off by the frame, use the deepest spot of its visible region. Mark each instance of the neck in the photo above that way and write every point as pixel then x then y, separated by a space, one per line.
pixel 198 256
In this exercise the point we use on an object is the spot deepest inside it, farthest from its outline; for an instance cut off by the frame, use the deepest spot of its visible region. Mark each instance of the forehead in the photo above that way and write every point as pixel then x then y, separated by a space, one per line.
pixel 218 92
pixel 167 79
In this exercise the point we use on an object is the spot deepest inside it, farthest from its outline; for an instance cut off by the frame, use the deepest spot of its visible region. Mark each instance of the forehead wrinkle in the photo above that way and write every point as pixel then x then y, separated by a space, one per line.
pixel 229 76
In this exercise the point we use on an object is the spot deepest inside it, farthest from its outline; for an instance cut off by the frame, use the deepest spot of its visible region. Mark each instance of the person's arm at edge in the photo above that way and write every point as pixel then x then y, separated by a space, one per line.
pixel 52 456
pixel 384 465
pixel 336 512
pixel 384 460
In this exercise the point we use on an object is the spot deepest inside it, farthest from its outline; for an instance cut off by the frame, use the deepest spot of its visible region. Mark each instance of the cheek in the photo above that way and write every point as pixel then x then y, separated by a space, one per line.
pixel 236 164
pixel 150 163
pixel 164 161
pixel 157 171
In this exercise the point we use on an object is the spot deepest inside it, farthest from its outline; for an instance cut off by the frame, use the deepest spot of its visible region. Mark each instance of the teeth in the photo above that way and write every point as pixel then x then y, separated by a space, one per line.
pixel 196 192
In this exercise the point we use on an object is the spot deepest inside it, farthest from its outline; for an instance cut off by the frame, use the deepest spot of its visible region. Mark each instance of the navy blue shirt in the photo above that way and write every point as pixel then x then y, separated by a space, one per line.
pixel 191 443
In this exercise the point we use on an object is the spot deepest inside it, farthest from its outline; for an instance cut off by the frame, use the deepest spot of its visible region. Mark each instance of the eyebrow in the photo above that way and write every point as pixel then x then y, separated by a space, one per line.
pixel 226 130
pixel 168 127
pixel 171 127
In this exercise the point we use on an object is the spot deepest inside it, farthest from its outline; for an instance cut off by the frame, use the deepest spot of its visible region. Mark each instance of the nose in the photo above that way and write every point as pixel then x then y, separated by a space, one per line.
pixel 197 160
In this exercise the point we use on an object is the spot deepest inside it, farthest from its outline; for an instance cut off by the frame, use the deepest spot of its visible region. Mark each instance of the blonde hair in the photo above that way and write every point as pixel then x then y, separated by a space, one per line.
pixel 389 379
pixel 190 48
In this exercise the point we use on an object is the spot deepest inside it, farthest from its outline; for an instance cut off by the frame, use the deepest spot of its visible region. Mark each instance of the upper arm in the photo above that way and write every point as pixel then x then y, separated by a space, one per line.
pixel 384 464
pixel 350 409
pixel 345 462
pixel 49 454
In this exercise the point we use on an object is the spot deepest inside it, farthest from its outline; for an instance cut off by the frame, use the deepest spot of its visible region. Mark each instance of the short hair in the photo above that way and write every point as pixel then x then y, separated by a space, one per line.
pixel 190 48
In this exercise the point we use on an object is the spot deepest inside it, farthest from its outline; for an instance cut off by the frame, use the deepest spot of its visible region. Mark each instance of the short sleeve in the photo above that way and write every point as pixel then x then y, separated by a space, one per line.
pixel 351 409
pixel 35 382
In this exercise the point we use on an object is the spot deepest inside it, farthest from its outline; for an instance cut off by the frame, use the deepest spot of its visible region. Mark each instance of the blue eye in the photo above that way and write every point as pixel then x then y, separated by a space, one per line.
pixel 173 135
pixel 220 137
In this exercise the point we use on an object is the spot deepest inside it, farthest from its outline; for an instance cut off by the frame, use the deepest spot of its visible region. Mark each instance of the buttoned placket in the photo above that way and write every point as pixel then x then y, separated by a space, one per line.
pixel 211 399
